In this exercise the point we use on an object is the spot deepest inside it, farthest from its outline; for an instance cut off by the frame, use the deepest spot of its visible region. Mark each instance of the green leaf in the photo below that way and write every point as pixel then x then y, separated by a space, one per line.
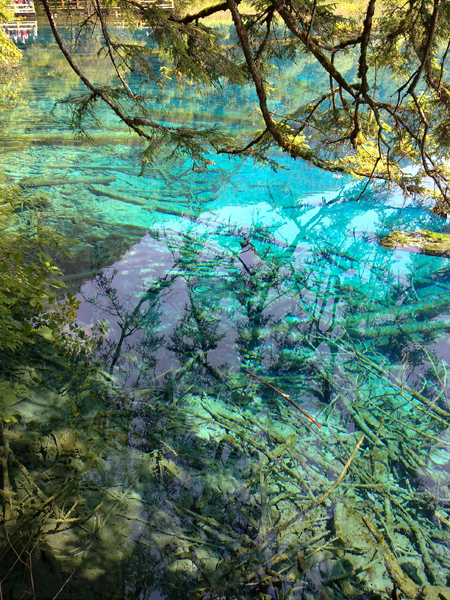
pixel 46 333
pixel 27 329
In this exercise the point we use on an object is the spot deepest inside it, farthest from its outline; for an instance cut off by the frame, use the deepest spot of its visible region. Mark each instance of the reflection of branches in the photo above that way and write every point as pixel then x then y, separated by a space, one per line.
pixel 245 291
pixel 190 140
pixel 112 51
pixel 135 320
pixel 233 489
pixel 198 332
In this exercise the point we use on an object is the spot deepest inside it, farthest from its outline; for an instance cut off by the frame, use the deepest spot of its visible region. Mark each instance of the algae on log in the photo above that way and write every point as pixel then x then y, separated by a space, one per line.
pixel 152 204
pixel 101 190
pixel 420 241
pixel 171 209
pixel 405 584
pixel 34 182
pixel 381 331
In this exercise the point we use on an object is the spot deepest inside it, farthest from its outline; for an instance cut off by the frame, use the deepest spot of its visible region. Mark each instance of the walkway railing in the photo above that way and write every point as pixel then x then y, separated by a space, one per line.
pixel 21 31
pixel 165 4
pixel 84 5
pixel 25 7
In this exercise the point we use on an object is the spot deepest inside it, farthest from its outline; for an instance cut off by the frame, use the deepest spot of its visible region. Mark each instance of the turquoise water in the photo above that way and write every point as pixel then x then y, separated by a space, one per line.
pixel 171 472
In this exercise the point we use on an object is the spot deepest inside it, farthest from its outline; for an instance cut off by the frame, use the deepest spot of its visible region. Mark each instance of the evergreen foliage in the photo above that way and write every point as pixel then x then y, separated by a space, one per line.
pixel 381 102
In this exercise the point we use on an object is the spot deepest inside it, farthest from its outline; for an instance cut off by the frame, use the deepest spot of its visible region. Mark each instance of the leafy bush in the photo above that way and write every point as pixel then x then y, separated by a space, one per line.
pixel 28 277
pixel 33 326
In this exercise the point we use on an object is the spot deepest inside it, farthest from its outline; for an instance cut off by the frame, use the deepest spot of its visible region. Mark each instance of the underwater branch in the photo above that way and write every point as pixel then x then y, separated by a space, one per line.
pixel 286 397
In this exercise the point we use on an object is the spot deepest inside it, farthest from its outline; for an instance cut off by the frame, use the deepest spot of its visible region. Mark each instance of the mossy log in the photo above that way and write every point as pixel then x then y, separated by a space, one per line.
pixel 398 328
pixel 389 316
pixel 161 205
pixel 158 196
pixel 166 200
pixel 171 209
pixel 34 182
pixel 420 241
pixel 101 190
pixel 404 583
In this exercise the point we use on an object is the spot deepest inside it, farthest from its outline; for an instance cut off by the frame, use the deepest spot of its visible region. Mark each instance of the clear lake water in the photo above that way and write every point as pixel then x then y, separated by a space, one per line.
pixel 171 470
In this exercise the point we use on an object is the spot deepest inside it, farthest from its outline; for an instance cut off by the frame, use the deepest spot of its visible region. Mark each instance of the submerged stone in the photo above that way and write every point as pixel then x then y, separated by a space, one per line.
pixel 439 456
pixel 420 242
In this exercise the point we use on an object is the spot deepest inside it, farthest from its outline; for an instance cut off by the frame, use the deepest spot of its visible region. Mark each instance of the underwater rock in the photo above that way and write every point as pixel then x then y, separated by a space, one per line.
pixel 380 464
pixel 439 456
pixel 46 569
pixel 69 443
pixel 413 567
pixel 420 241
pixel 27 446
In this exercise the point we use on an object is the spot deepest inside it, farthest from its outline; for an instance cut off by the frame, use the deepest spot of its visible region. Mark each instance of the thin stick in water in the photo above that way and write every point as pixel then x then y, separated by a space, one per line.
pixel 286 397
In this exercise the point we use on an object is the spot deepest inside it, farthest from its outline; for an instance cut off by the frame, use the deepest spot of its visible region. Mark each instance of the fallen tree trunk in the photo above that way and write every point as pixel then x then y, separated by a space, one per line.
pixel 34 182
pixel 100 190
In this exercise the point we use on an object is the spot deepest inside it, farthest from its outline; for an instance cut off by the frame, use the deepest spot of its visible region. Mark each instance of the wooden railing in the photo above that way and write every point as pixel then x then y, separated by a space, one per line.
pixel 22 8
pixel 84 5
pixel 165 4
pixel 21 31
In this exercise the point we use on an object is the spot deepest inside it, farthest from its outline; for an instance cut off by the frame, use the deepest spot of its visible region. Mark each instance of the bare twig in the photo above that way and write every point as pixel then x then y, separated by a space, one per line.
pixel 63 585
pixel 286 397
pixel 341 476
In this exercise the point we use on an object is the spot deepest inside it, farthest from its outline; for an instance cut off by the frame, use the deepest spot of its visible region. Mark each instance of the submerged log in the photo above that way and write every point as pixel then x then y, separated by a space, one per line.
pixel 171 209
pixel 34 182
pixel 404 583
pixel 384 316
pixel 169 200
pixel 101 190
pixel 159 197
pixel 420 241
pixel 154 203
pixel 407 328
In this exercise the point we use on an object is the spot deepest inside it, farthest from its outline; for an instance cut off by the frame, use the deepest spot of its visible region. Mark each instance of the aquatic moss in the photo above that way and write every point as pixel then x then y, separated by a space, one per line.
pixel 420 241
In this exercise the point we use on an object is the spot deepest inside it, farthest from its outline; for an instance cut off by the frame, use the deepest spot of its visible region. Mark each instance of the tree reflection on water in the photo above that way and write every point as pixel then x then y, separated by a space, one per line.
pixel 172 471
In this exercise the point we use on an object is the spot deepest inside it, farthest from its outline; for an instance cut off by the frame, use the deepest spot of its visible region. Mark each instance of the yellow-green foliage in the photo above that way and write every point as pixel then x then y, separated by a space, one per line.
pixel 424 241
pixel 9 53
pixel 28 278
pixel 30 319
pixel 10 394
pixel 189 7
pixel 10 56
